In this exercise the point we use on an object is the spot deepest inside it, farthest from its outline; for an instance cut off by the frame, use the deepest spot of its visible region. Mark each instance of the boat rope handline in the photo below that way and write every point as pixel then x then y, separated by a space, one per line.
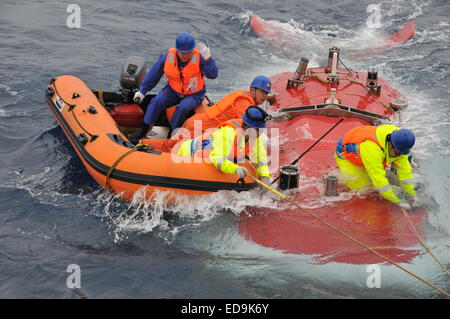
pixel 138 147
pixel 52 82
pixel 422 242
pixel 348 236
pixel 93 137
pixel 71 106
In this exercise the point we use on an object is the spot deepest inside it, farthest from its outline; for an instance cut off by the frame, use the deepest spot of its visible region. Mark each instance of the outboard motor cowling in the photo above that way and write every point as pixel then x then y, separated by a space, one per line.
pixel 131 76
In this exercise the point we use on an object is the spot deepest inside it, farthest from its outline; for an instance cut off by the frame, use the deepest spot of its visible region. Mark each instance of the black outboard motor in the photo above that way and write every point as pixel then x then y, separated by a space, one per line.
pixel 131 76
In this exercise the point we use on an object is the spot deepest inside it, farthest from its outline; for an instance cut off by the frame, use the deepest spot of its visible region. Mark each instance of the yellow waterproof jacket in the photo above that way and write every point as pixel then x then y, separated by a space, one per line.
pixel 373 158
pixel 226 147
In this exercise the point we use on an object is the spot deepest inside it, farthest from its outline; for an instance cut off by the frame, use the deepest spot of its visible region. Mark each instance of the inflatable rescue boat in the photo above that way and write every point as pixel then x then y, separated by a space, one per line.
pixel 96 124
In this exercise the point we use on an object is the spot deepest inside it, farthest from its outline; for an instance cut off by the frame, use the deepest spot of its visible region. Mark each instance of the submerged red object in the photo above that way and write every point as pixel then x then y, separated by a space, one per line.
pixel 308 103
pixel 279 36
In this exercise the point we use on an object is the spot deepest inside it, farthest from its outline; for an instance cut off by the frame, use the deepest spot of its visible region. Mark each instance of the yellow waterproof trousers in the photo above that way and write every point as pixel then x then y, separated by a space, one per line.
pixel 353 176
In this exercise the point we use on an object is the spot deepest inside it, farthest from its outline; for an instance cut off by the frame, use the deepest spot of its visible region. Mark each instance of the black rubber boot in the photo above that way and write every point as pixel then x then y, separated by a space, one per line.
pixel 136 136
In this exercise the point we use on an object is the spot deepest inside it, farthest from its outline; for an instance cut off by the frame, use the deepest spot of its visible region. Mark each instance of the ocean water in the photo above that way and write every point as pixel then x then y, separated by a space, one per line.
pixel 53 214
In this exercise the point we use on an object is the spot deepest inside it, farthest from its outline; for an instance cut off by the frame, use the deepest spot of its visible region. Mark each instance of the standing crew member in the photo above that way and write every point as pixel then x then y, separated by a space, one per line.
pixel 231 106
pixel 184 66
pixel 227 145
pixel 364 152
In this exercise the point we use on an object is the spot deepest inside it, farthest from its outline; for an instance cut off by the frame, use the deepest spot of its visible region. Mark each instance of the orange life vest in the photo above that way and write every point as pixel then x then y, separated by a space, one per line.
pixel 187 81
pixel 348 146
pixel 227 109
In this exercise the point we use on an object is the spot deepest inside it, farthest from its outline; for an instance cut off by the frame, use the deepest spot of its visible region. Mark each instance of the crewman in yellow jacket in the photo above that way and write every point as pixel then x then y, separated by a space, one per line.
pixel 227 145
pixel 363 154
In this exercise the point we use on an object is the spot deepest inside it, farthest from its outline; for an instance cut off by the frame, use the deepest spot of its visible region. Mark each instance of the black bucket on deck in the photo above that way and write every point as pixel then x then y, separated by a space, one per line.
pixel 289 176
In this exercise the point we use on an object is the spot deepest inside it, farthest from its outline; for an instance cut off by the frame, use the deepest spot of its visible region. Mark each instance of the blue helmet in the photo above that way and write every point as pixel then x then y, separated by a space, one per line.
pixel 261 82
pixel 403 140
pixel 185 42
pixel 255 117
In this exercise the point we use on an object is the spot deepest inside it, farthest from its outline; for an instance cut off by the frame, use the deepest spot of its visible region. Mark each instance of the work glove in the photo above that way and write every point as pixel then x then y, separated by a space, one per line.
pixel 405 205
pixel 416 203
pixel 241 171
pixel 204 50
pixel 138 97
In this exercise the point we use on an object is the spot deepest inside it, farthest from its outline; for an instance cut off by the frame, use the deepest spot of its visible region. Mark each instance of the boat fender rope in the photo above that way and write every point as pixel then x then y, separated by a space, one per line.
pixel 93 137
pixel 138 147
pixel 53 82
pixel 71 107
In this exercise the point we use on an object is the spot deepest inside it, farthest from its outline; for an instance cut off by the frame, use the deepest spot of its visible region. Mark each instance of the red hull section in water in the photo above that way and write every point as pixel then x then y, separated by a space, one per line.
pixel 278 35
pixel 374 222
pixel 367 217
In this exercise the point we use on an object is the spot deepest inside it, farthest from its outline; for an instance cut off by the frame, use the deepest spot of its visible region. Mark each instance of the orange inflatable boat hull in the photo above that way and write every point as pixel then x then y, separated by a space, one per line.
pixel 99 143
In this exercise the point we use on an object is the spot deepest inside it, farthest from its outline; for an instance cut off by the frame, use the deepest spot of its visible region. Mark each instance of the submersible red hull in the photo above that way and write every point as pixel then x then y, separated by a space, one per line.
pixel 307 105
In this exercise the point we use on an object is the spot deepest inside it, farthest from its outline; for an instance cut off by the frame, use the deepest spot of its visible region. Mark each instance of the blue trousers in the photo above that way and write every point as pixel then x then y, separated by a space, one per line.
pixel 168 97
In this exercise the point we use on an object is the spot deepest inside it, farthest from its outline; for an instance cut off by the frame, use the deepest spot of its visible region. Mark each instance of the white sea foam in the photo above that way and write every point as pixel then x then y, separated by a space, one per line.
pixel 8 90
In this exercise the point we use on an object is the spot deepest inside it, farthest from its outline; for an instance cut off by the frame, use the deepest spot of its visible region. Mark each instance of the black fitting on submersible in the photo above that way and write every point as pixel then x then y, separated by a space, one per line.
pixel 372 82
pixel 289 176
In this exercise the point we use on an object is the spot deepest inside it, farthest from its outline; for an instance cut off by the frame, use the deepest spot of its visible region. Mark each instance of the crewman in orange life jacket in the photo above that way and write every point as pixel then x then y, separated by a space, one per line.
pixel 185 67
pixel 363 154
pixel 231 106
pixel 227 145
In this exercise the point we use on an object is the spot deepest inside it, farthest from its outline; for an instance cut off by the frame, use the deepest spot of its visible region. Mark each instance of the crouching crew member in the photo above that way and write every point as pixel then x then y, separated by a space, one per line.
pixel 227 145
pixel 363 154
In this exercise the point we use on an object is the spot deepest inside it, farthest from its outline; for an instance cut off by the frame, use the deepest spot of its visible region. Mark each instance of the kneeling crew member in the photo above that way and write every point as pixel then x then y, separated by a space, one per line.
pixel 227 143
pixel 363 154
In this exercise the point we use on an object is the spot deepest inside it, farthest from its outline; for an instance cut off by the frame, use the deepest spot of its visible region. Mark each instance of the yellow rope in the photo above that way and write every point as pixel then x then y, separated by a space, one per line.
pixel 422 242
pixel 348 236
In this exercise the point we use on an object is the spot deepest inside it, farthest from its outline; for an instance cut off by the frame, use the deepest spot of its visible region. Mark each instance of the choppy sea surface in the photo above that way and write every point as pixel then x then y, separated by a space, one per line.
pixel 53 214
